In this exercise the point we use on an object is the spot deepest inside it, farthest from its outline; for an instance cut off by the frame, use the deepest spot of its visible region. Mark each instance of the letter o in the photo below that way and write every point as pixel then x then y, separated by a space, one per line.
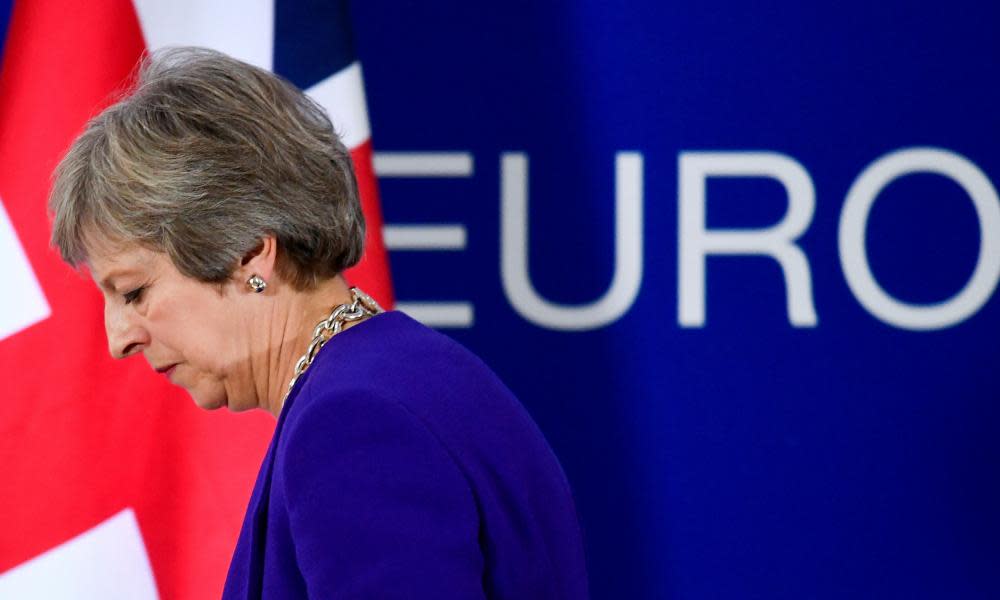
pixel 854 222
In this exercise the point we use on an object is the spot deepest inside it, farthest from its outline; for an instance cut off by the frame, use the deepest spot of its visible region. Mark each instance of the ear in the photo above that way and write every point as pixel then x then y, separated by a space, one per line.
pixel 260 261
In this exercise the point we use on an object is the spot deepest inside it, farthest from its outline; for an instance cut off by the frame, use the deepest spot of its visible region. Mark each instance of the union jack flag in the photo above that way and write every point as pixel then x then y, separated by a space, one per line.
pixel 114 484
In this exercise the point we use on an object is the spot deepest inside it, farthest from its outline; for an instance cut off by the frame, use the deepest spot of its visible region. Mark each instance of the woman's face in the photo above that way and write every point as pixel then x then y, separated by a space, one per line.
pixel 192 332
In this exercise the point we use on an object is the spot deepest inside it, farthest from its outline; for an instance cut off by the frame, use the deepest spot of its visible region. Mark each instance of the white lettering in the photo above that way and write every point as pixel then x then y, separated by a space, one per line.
pixel 514 249
pixel 430 237
pixel 854 256
pixel 423 164
pixel 778 241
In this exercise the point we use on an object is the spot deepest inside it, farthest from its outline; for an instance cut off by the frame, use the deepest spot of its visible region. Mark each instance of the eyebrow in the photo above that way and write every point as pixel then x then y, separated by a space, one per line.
pixel 106 282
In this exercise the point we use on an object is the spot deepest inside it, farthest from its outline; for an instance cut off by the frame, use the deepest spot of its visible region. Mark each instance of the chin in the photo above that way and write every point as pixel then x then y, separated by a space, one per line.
pixel 208 405
pixel 208 401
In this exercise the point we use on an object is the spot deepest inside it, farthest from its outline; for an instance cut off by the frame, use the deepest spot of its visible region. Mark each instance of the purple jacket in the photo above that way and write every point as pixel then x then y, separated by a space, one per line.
pixel 401 467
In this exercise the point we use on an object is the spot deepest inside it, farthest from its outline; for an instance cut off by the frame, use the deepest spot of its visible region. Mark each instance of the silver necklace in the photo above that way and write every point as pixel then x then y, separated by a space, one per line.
pixel 362 306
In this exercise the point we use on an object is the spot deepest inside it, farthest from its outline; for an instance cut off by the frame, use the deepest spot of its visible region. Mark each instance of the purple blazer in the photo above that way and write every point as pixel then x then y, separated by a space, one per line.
pixel 401 467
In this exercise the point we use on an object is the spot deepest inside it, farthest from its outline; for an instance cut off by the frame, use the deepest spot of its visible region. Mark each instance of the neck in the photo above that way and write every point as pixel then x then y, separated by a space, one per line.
pixel 294 315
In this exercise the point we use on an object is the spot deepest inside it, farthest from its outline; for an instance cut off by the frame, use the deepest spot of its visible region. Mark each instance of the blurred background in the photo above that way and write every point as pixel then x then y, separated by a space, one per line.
pixel 738 261
pixel 746 457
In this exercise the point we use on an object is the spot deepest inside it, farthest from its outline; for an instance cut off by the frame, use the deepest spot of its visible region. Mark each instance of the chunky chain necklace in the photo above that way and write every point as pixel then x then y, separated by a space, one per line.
pixel 362 307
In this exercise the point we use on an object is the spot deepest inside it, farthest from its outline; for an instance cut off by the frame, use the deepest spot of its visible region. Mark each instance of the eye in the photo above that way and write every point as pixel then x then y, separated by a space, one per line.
pixel 134 296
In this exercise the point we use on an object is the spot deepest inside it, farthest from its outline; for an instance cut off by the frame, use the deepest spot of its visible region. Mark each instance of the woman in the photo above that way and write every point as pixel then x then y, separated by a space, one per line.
pixel 216 208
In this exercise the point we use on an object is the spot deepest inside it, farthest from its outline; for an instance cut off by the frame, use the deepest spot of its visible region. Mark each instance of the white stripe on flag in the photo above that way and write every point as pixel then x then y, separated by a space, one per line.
pixel 107 562
pixel 24 304
pixel 243 30
pixel 343 96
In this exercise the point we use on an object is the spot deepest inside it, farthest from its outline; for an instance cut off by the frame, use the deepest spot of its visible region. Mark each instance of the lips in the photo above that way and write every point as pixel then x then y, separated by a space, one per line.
pixel 167 369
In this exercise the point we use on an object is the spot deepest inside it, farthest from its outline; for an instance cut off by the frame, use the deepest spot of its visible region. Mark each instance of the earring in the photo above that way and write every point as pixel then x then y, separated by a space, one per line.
pixel 256 283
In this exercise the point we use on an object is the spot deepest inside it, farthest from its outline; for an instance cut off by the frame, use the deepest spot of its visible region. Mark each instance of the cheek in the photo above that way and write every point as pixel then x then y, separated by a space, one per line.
pixel 221 344
pixel 211 347
pixel 200 329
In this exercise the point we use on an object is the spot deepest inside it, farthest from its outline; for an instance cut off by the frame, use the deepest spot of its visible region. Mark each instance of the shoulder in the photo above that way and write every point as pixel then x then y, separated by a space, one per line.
pixel 395 339
pixel 391 383
pixel 394 358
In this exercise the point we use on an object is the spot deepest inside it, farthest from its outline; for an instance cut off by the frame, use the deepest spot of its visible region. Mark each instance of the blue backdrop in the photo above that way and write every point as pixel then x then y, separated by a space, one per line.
pixel 747 457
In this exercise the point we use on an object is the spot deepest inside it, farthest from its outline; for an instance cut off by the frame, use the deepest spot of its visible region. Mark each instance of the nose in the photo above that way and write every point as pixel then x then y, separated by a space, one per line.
pixel 126 336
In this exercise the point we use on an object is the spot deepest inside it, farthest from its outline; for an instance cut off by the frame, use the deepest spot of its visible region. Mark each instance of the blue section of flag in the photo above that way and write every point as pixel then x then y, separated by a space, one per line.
pixel 312 40
pixel 5 6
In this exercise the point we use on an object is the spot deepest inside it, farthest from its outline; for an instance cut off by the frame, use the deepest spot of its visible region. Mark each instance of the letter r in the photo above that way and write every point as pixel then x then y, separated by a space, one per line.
pixel 696 241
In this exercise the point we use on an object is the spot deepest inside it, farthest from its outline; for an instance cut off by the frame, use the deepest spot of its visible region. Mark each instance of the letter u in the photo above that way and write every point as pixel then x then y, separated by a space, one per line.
pixel 627 276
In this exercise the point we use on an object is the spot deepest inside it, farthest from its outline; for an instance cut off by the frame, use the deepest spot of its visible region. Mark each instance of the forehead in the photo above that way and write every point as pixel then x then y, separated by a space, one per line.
pixel 107 261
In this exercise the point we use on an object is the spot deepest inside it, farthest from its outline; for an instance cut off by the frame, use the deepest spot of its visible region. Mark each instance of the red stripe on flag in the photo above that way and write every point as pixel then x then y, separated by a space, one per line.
pixel 372 273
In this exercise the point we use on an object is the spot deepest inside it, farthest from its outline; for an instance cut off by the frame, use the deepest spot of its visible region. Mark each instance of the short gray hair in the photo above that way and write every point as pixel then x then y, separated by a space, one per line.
pixel 206 157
